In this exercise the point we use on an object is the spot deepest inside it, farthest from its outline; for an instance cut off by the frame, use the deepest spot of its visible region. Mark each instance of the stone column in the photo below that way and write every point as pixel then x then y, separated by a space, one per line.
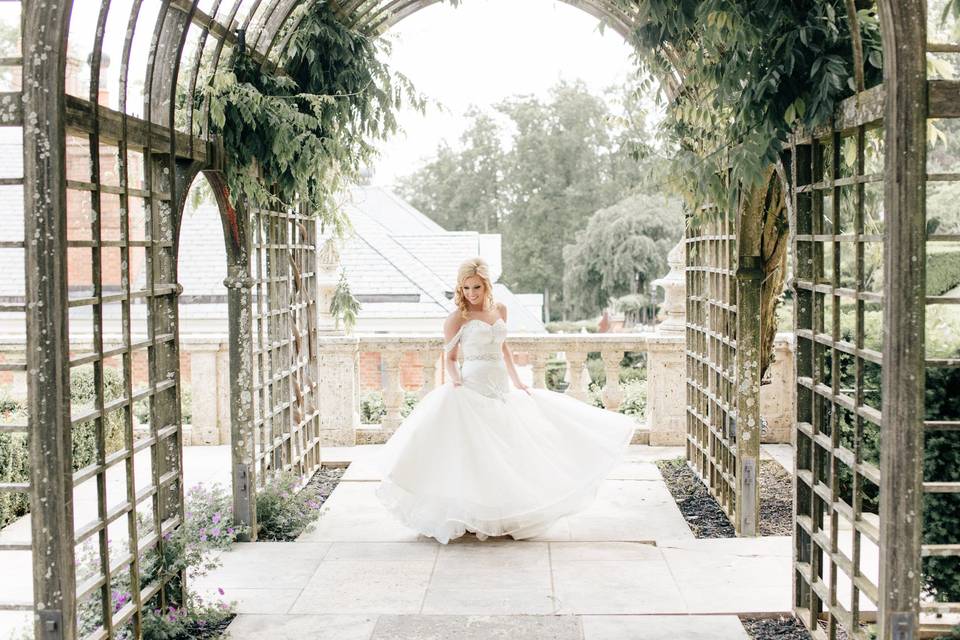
pixel 204 394
pixel 673 311
pixel 339 399
pixel 392 390
pixel 577 375
pixel 666 389
pixel 429 361
pixel 666 370
pixel 223 391
pixel 328 275
pixel 778 397
pixel 538 361
pixel 612 393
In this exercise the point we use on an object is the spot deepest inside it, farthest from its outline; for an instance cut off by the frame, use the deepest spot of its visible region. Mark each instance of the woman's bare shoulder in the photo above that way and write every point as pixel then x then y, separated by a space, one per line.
pixel 453 322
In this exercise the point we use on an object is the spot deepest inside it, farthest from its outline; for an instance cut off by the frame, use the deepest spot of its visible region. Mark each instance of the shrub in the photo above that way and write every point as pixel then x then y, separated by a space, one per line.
pixel 283 513
pixel 190 549
pixel 141 408
pixel 943 271
pixel 941 448
pixel 83 398
pixel 14 467
pixel 634 401
pixel 372 409
pixel 572 327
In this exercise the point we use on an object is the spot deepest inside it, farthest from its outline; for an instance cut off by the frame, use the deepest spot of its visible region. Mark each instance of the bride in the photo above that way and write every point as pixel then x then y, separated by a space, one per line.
pixel 475 455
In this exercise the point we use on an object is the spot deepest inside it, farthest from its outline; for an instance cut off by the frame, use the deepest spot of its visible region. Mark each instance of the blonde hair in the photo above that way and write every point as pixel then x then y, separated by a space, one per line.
pixel 473 267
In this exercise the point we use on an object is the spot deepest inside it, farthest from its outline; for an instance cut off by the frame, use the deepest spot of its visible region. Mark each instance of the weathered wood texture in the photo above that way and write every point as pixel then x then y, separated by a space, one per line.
pixel 714 321
pixel 901 459
pixel 44 29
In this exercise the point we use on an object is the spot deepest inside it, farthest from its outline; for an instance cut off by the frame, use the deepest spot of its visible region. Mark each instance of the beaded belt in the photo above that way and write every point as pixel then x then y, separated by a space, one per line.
pixel 482 356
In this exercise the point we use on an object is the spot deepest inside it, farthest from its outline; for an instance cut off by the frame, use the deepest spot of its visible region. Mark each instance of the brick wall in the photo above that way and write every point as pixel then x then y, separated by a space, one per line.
pixel 411 371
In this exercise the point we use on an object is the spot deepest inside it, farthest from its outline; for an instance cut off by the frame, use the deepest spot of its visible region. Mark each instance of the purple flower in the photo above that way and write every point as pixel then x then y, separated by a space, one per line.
pixel 220 590
pixel 203 538
pixel 215 532
pixel 230 531
pixel 216 517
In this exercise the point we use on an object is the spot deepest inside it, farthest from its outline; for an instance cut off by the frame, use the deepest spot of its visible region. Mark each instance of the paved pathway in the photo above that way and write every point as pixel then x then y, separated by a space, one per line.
pixel 626 567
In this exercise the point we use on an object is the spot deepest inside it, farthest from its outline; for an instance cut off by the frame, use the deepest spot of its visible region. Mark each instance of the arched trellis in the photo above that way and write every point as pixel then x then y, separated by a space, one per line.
pixel 173 145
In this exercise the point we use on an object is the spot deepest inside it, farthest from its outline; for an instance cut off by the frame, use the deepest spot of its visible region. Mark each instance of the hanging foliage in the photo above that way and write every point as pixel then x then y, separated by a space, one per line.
pixel 751 73
pixel 299 133
pixel 344 306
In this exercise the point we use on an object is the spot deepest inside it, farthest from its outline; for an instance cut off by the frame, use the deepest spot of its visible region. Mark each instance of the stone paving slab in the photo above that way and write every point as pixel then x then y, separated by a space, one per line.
pixel 732 575
pixel 625 567
pixel 782 453
pixel 479 627
pixel 663 628
pixel 302 627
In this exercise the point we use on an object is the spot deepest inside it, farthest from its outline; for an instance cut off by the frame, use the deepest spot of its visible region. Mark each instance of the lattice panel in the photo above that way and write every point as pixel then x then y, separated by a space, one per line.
pixel 286 416
pixel 940 545
pixel 711 355
pixel 838 298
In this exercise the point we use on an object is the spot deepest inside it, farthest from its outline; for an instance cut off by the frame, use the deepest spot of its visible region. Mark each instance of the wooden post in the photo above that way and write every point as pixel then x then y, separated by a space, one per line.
pixel 239 284
pixel 904 288
pixel 749 280
pixel 44 28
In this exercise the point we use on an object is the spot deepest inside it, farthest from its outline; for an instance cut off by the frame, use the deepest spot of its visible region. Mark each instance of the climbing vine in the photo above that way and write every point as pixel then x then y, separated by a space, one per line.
pixel 748 74
pixel 298 133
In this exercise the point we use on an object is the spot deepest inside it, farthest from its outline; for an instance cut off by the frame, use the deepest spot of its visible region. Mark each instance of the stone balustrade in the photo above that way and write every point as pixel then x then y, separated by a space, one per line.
pixel 339 372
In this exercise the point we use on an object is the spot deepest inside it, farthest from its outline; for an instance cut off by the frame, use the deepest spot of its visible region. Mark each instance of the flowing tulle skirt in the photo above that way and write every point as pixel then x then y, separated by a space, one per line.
pixel 508 465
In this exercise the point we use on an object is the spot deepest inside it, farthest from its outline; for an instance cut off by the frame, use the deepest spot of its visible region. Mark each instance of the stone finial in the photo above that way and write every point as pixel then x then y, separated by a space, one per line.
pixel 673 312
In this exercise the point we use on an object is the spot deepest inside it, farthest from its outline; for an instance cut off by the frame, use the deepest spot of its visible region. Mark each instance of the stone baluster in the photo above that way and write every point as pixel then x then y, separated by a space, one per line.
pixel 392 390
pixel 577 375
pixel 612 393
pixel 538 360
pixel 429 361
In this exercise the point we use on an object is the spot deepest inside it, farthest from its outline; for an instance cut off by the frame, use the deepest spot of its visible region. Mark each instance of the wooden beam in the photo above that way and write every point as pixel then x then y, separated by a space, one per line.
pixel 44 29
pixel 901 456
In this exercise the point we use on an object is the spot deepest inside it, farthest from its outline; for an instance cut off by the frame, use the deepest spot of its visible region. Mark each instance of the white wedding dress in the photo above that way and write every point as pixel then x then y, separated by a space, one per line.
pixel 488 458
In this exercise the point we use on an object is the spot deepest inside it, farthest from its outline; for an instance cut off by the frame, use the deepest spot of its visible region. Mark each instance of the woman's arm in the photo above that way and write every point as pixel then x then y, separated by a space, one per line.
pixel 508 355
pixel 450 328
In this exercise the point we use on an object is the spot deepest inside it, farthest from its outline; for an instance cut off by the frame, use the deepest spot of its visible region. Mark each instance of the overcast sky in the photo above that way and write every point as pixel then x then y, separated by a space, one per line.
pixel 483 51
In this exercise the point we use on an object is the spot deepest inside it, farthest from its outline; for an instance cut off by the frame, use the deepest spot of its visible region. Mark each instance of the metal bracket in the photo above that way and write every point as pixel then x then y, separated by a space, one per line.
pixel 51 624
pixel 902 625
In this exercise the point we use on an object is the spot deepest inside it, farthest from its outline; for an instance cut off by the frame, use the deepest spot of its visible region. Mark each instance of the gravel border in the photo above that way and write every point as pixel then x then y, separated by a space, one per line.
pixel 325 480
pixel 703 513
pixel 780 628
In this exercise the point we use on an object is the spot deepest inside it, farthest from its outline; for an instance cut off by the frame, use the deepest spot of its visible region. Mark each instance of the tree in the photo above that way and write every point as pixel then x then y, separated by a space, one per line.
pixel 462 189
pixel 567 157
pixel 623 248
pixel 563 166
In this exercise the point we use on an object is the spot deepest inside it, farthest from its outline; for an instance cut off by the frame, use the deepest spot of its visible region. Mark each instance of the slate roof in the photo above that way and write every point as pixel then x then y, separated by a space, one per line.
pixel 399 262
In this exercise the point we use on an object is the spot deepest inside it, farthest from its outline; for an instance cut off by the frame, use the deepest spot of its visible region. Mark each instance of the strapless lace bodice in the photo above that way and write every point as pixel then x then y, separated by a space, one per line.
pixel 482 367
pixel 480 340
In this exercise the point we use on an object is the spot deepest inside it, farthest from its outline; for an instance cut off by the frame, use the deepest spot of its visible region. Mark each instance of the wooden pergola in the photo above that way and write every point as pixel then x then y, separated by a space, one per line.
pixel 272 294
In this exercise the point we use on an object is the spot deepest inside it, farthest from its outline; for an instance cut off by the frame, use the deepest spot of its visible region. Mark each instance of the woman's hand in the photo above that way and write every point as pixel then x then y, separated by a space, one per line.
pixel 522 387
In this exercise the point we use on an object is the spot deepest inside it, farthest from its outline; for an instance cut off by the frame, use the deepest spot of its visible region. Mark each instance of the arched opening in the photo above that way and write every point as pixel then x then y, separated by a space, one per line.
pixel 50 116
